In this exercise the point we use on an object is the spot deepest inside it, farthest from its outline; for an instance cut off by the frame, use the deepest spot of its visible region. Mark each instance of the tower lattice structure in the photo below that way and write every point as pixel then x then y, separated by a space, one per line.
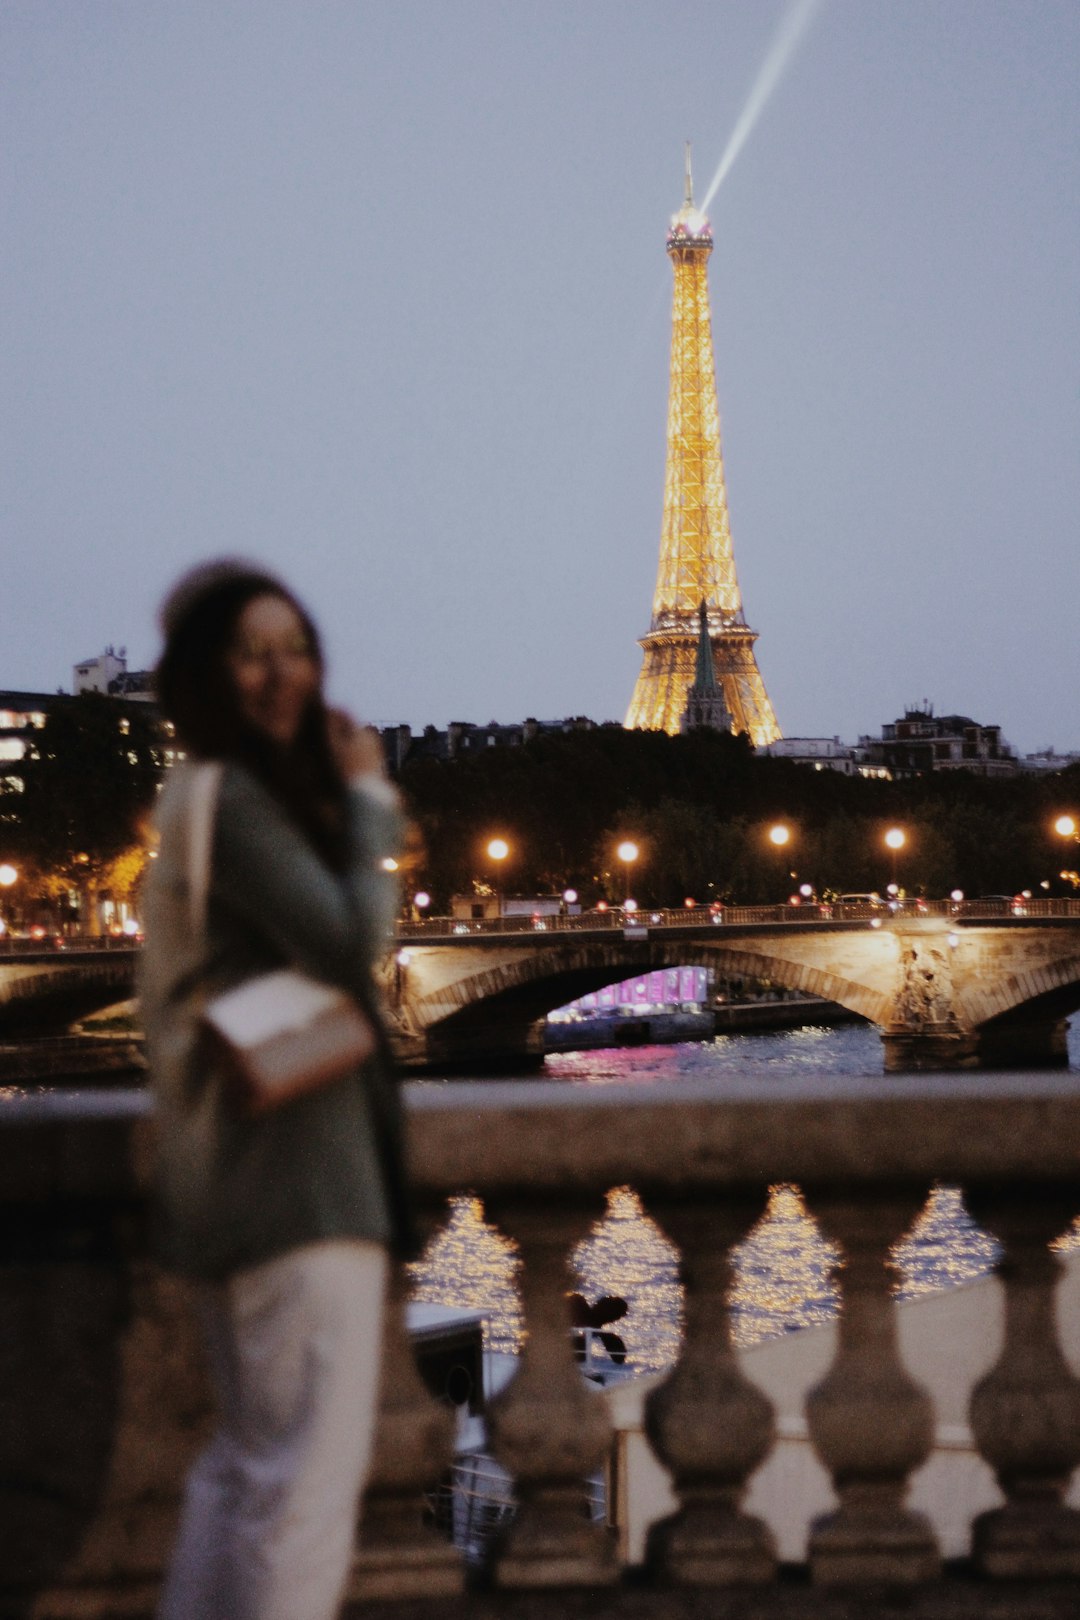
pixel 697 563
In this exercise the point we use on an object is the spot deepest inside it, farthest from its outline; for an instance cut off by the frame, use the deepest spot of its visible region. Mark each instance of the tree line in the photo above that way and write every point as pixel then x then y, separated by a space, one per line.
pixel 699 808
pixel 74 811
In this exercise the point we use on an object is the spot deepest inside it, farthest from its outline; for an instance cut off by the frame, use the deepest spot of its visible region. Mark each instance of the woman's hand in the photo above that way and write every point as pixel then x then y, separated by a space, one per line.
pixel 357 749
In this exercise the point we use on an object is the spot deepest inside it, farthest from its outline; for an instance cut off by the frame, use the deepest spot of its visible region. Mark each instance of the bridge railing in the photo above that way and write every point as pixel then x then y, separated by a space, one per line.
pixel 98 1345
pixel 617 919
pixel 47 945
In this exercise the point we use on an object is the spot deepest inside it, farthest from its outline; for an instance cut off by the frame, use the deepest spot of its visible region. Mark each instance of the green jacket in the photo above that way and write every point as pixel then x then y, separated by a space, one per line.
pixel 234 1191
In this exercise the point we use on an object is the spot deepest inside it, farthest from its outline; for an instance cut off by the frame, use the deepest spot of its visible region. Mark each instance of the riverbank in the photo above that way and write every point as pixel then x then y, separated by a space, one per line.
pixel 72 1059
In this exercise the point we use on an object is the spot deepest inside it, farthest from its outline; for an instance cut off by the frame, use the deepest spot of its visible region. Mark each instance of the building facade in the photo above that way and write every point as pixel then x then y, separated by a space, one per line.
pixel 108 673
pixel 921 741
pixel 462 739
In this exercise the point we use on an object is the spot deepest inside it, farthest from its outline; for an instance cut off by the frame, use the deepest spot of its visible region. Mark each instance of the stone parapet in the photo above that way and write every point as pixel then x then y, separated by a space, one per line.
pixel 103 1401
pixel 954 1597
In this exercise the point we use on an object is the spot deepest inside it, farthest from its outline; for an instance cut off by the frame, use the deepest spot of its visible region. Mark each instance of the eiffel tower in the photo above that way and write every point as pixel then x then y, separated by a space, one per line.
pixel 697 564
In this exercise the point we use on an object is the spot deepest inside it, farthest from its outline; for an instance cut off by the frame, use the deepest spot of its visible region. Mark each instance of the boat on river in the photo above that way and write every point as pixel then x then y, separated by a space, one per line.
pixel 474 1501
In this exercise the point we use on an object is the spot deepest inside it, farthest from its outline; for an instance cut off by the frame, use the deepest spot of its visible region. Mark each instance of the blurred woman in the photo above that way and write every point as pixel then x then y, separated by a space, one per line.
pixel 284 1220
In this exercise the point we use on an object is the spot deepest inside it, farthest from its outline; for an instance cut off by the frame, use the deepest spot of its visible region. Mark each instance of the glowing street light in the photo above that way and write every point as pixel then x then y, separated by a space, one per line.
pixel 628 853
pixel 895 839
pixel 1066 827
pixel 780 837
pixel 8 875
pixel 497 851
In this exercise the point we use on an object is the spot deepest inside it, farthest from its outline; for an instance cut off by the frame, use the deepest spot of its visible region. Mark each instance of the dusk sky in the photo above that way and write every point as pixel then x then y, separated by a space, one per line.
pixel 376 291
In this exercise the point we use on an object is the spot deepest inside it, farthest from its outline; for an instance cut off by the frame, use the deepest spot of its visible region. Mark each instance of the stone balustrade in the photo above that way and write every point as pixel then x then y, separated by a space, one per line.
pixel 102 1401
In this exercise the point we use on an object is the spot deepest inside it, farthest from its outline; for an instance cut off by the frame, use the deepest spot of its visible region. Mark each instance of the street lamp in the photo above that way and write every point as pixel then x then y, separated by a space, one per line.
pixel 1065 827
pixel 895 839
pixel 8 875
pixel 780 838
pixel 628 853
pixel 498 849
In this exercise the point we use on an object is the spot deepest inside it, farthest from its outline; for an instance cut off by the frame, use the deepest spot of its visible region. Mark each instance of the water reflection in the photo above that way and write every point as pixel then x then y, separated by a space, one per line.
pixel 783 1271
pixel 849 1049
pixel 627 1254
pixel 471 1266
pixel 944 1247
pixel 783 1268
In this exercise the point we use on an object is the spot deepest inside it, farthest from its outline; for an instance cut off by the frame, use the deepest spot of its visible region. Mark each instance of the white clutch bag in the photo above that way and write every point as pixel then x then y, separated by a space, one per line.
pixel 282 1033
pixel 286 1034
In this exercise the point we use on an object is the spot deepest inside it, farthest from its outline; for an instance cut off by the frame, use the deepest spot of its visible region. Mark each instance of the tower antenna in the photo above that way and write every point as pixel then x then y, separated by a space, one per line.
pixel 688 197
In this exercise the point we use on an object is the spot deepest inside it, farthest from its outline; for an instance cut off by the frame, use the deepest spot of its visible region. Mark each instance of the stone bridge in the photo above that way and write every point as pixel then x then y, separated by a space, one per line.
pixel 44 990
pixel 947 987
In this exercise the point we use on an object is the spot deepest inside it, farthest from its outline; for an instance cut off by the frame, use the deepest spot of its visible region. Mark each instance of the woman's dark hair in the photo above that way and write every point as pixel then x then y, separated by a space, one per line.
pixel 196 693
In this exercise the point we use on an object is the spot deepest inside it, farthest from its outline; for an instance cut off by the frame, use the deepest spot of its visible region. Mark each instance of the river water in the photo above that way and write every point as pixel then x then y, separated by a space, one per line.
pixel 783 1267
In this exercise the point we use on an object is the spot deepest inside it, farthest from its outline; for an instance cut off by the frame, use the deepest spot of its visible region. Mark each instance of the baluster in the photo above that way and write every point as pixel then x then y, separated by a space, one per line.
pixel 549 1428
pixel 400 1555
pixel 1025 1413
pixel 870 1422
pixel 708 1423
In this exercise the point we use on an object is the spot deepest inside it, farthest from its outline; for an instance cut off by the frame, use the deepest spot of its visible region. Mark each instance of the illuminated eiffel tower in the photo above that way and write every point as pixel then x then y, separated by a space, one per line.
pixel 697 564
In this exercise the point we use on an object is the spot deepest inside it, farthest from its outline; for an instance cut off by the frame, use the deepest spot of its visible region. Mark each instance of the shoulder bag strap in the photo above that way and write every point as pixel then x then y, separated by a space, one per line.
pixel 202 806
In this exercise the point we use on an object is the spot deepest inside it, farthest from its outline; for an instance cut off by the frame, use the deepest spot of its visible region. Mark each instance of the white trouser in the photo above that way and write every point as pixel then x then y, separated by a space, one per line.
pixel 270 1507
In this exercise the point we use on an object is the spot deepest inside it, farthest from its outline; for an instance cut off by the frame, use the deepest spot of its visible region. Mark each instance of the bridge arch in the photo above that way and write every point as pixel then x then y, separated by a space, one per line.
pixel 527 986
pixel 48 994
pixel 944 991
pixel 1051 990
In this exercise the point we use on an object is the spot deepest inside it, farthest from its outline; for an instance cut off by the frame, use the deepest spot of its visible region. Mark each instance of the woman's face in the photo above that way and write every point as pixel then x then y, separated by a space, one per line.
pixel 273 668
